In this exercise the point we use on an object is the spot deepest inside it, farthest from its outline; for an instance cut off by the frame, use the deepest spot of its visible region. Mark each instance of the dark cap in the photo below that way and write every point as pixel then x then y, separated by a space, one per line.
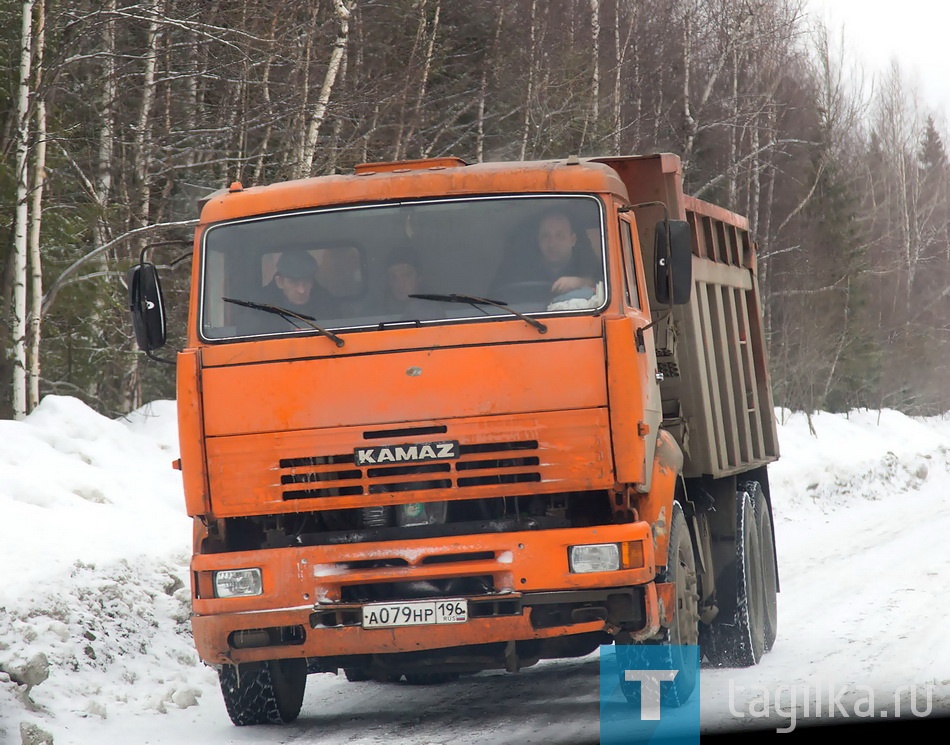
pixel 297 265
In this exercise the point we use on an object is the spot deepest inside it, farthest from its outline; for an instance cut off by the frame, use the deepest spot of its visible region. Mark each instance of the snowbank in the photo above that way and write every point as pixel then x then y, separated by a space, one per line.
pixel 95 547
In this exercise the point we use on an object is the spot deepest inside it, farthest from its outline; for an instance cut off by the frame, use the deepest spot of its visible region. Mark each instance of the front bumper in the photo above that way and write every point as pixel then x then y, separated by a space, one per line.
pixel 304 586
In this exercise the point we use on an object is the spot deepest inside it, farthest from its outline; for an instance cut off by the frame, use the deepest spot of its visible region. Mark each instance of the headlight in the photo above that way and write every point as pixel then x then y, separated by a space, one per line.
pixel 601 557
pixel 235 583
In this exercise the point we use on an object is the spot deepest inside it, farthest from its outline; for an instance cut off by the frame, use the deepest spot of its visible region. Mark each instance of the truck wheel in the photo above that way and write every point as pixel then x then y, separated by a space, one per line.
pixel 750 598
pixel 739 640
pixel 763 526
pixel 681 571
pixel 270 693
pixel 356 674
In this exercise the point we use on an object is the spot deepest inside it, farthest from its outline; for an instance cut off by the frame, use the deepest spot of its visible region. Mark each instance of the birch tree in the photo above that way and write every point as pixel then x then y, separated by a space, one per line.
pixel 36 215
pixel 21 215
pixel 343 10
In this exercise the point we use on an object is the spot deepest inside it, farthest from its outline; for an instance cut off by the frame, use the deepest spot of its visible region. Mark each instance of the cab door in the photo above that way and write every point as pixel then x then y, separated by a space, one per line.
pixel 643 351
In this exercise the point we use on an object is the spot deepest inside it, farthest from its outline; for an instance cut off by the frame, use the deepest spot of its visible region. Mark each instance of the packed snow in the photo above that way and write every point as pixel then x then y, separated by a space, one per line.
pixel 95 641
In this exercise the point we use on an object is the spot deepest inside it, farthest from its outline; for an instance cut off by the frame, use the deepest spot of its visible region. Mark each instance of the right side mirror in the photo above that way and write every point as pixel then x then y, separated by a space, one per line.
pixel 147 307
pixel 674 262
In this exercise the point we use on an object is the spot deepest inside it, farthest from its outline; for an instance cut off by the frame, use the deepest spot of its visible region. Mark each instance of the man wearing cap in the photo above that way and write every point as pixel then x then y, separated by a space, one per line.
pixel 293 288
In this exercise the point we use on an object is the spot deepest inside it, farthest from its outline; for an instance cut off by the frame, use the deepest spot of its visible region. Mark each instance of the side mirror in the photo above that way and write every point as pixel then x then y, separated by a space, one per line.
pixel 674 262
pixel 147 307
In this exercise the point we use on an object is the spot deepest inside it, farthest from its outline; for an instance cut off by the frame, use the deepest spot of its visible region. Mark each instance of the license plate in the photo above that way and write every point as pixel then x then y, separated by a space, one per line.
pixel 414 613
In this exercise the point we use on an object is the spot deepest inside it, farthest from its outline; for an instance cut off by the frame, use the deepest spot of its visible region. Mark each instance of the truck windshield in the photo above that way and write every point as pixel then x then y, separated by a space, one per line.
pixel 359 267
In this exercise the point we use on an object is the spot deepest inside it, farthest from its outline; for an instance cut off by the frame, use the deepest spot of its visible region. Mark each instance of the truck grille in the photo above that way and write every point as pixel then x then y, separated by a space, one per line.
pixel 483 464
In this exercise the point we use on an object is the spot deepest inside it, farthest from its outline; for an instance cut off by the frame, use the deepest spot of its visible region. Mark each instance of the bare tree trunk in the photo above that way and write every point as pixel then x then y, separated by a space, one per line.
pixel 398 148
pixel 689 123
pixel 21 215
pixel 483 86
pixel 732 164
pixel 529 94
pixel 618 71
pixel 638 88
pixel 343 10
pixel 839 348
pixel 754 185
pixel 36 216
pixel 370 131
pixel 107 101
pixel 337 124
pixel 297 167
pixel 265 95
pixel 142 139
pixel 424 83
pixel 593 114
pixel 142 147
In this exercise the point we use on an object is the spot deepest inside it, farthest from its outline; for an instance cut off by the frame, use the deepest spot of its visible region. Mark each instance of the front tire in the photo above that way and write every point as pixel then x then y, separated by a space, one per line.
pixel 266 693
pixel 357 674
pixel 681 571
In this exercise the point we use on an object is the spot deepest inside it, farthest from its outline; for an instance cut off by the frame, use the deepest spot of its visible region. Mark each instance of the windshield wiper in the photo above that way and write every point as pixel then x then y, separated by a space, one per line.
pixel 475 302
pixel 287 315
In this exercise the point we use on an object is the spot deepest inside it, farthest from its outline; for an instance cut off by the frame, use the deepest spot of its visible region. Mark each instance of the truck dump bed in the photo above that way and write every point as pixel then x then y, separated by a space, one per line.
pixel 717 400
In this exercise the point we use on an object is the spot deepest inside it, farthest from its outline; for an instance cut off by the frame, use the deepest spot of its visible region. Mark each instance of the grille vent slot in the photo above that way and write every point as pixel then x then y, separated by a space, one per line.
pixel 381 434
pixel 482 464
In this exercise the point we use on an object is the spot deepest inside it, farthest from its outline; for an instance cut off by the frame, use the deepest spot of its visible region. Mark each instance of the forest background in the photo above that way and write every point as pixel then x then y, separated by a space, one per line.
pixel 116 116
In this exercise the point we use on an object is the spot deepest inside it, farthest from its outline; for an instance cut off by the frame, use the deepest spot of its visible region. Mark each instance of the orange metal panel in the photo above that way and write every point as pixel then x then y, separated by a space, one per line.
pixel 191 433
pixel 573 452
pixel 377 186
pixel 655 507
pixel 297 578
pixel 627 396
pixel 404 386
pixel 211 636
pixel 491 332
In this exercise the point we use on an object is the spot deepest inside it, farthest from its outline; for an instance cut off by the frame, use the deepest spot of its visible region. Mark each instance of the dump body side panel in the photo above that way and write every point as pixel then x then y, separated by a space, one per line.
pixel 717 399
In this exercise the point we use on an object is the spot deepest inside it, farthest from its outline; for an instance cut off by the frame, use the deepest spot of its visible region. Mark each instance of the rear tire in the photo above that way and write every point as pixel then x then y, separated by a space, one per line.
pixel 763 526
pixel 739 641
pixel 269 693
pixel 681 571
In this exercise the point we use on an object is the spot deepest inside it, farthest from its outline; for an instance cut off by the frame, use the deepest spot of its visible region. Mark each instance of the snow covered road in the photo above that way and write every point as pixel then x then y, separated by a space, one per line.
pixel 862 515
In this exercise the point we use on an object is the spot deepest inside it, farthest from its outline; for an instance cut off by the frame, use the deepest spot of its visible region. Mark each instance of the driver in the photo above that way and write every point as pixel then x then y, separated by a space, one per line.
pixel 556 258
pixel 293 286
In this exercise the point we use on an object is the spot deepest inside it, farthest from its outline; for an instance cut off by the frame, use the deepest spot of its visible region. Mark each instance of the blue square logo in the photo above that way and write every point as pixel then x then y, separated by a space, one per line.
pixel 649 693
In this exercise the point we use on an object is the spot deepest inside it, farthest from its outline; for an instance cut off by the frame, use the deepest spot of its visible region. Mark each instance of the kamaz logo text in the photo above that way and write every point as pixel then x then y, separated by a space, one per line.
pixel 407 453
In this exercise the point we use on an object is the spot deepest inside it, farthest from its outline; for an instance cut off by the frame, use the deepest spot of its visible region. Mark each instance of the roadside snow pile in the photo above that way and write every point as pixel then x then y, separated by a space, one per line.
pixel 862 456
pixel 95 546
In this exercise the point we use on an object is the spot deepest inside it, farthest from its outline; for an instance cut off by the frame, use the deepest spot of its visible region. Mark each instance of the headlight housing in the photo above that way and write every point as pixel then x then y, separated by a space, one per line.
pixel 598 557
pixel 238 583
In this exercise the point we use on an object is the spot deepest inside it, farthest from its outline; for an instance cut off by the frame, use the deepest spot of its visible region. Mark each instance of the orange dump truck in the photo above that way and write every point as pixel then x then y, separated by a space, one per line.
pixel 437 418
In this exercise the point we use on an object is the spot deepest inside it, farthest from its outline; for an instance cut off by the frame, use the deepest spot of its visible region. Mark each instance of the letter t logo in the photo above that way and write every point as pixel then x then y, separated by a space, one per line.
pixel 649 689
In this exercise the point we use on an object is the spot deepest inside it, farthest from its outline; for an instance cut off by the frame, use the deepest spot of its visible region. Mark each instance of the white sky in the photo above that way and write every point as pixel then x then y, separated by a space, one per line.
pixel 915 32
pixel 94 534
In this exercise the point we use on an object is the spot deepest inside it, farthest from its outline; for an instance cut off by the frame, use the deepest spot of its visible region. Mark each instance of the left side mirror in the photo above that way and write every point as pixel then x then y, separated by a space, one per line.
pixel 147 307
pixel 674 262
